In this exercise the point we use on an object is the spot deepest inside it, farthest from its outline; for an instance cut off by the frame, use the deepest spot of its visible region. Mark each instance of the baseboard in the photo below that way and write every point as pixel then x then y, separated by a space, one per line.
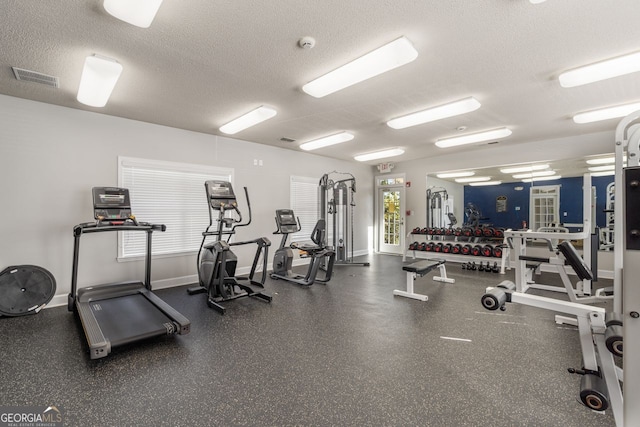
pixel 61 299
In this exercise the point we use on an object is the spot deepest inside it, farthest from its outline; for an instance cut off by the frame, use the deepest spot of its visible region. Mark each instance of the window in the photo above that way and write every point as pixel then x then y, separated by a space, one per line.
pixel 304 202
pixel 544 206
pixel 166 193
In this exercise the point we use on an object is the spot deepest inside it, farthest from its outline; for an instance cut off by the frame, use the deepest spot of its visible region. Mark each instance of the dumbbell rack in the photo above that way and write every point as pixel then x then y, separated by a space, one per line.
pixel 441 243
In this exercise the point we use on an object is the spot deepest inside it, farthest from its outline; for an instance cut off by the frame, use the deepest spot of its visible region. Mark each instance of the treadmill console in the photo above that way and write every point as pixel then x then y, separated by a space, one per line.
pixel 111 204
pixel 286 221
pixel 220 195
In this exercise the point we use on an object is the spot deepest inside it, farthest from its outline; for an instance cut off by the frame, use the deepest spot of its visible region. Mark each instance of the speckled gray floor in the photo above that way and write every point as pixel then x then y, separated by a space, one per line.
pixel 346 354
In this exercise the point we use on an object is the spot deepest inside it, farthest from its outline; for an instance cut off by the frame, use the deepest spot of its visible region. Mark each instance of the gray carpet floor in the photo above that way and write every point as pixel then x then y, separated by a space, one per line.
pixel 347 353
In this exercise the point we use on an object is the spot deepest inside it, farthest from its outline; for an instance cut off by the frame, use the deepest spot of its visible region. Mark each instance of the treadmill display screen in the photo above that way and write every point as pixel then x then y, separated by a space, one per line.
pixel 111 203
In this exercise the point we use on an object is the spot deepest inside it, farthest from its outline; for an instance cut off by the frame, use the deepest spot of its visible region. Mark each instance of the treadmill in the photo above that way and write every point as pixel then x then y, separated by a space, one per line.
pixel 119 313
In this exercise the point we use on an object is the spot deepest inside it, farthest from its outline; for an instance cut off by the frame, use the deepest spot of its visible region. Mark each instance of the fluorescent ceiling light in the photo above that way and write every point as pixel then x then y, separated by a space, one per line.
pixel 392 55
pixel 485 183
pixel 473 179
pixel 436 113
pixel 455 174
pixel 606 113
pixel 542 178
pixel 99 77
pixel 474 137
pixel 605 160
pixel 529 168
pixel 327 141
pixel 536 1
pixel 379 154
pixel 135 12
pixel 534 174
pixel 601 161
pixel 601 70
pixel 602 168
pixel 604 173
pixel 252 118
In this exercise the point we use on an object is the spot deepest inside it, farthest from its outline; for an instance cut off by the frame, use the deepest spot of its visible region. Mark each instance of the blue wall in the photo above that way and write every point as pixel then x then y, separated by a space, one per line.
pixel 570 201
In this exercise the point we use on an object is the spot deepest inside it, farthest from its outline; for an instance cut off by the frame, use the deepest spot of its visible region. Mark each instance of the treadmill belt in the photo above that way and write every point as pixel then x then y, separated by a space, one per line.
pixel 129 318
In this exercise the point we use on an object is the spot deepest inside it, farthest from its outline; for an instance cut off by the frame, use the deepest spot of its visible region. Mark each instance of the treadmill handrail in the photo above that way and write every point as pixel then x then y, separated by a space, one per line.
pixel 94 227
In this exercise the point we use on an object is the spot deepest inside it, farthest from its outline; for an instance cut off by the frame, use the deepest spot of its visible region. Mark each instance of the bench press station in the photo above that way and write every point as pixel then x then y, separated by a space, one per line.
pixel 419 269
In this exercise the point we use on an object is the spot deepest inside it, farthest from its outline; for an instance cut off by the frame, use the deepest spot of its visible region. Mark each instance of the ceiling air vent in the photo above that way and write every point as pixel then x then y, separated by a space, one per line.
pixel 285 139
pixel 35 77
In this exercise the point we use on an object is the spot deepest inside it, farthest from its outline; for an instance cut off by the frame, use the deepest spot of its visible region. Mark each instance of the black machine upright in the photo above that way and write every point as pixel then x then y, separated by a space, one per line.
pixel 216 262
pixel 115 314
pixel 287 223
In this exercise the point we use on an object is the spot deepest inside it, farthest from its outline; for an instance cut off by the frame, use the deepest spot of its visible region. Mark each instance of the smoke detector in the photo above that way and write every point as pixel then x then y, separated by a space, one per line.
pixel 307 42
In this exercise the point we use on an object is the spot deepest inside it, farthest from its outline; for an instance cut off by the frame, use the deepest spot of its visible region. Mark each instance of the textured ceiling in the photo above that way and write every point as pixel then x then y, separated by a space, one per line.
pixel 205 62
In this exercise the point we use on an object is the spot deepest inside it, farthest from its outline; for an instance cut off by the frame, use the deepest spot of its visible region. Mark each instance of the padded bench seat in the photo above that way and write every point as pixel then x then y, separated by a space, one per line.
pixel 419 269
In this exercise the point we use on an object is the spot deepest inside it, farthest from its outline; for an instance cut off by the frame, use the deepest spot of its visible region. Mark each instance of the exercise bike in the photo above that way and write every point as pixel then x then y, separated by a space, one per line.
pixel 216 262
pixel 287 223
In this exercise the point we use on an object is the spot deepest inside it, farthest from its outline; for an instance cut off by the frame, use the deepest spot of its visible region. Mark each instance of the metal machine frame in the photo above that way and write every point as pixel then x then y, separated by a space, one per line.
pixel 336 199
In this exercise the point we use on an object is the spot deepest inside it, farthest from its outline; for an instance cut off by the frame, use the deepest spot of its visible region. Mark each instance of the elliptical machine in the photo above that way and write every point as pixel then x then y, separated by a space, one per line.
pixel 216 262
pixel 287 223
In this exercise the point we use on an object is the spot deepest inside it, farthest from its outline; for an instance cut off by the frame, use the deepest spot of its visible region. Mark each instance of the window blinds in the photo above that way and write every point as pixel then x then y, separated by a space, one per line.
pixel 304 202
pixel 166 193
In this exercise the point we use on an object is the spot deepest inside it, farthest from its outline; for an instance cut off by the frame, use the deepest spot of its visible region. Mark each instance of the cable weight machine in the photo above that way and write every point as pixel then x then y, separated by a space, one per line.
pixel 336 196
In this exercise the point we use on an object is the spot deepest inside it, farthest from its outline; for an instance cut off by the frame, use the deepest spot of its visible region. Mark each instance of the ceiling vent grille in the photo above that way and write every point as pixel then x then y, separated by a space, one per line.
pixel 285 139
pixel 35 77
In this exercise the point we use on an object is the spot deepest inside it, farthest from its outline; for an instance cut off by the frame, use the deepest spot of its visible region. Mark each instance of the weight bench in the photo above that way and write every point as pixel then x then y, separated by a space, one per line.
pixel 421 268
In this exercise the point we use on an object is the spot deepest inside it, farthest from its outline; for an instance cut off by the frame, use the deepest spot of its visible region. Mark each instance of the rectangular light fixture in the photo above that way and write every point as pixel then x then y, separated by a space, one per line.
pixel 327 141
pixel 485 183
pixel 473 179
pixel 245 121
pixel 601 161
pixel 606 113
pixel 473 138
pixel 601 70
pixel 99 77
pixel 392 55
pixel 542 178
pixel 602 168
pixel 604 173
pixel 379 154
pixel 534 174
pixel 604 160
pixel 455 174
pixel 529 168
pixel 135 12
pixel 436 113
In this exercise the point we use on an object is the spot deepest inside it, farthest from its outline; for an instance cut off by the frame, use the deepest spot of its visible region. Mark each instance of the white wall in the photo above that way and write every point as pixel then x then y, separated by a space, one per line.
pixel 51 157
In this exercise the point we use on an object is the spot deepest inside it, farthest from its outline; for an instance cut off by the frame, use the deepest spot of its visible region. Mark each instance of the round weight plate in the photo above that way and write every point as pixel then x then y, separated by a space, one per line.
pixel 24 289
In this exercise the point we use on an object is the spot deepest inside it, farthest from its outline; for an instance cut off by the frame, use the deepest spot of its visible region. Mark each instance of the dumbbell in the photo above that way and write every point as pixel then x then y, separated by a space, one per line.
pixel 466 250
pixel 456 249
pixel 486 250
pixel 413 246
pixel 447 248
pixel 488 232
pixel 497 251
pixel 476 250
pixel 495 268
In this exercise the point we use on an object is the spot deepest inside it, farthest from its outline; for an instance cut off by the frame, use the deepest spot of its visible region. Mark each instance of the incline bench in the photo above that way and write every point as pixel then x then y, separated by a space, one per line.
pixel 421 268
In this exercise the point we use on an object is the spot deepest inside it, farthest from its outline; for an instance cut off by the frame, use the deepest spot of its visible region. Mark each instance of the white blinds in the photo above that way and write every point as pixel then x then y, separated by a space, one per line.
pixel 166 193
pixel 304 202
